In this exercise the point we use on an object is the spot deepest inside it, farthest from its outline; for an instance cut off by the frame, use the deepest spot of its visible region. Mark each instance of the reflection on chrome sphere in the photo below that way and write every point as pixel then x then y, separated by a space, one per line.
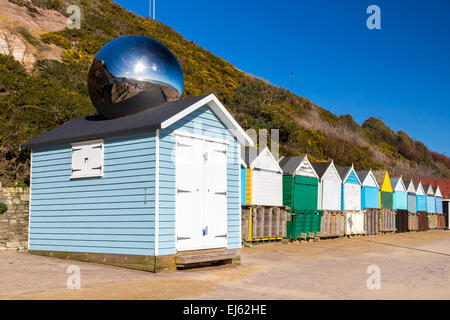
pixel 131 74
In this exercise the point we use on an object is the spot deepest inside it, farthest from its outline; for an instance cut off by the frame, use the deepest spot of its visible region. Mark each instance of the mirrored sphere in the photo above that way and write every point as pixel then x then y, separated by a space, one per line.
pixel 131 74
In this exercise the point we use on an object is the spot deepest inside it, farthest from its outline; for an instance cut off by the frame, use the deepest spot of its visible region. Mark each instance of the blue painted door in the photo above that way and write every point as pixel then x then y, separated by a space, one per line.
pixel 243 185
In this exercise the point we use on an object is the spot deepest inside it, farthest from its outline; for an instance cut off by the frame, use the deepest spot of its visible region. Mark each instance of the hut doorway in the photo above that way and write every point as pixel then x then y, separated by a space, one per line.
pixel 201 193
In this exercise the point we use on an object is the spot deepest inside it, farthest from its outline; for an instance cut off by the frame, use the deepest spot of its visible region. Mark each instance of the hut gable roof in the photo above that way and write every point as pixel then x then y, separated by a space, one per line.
pixel 323 169
pixel 297 165
pixel 428 190
pixel 290 164
pixel 411 188
pixel 158 117
pixel 260 159
pixel 437 192
pixel 345 172
pixel 398 184
pixel 444 186
pixel 368 179
pixel 419 189
pixel 386 185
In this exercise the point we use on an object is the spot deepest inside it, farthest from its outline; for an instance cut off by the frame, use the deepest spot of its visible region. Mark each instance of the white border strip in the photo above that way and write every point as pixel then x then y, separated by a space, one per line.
pixel 157 193
pixel 240 197
pixel 29 203
pixel 220 111
pixel 200 137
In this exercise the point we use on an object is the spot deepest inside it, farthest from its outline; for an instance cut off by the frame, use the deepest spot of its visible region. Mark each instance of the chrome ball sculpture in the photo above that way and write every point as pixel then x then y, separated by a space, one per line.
pixel 131 74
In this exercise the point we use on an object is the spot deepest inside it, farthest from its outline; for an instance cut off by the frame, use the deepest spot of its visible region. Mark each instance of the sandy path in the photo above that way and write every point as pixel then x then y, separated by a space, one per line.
pixel 413 266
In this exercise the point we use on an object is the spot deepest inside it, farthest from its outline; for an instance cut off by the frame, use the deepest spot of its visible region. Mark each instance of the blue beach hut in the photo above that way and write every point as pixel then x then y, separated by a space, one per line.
pixel 411 197
pixel 421 198
pixel 370 190
pixel 431 200
pixel 140 190
pixel 400 194
pixel 438 196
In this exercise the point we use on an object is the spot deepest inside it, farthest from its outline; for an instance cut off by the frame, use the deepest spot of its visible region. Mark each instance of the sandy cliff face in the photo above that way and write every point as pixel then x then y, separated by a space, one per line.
pixel 20 29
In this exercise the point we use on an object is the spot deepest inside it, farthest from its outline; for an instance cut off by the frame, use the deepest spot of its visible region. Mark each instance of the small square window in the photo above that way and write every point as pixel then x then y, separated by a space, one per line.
pixel 87 159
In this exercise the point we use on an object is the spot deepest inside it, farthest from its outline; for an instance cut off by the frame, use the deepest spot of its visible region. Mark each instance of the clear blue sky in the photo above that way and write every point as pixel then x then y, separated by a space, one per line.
pixel 400 73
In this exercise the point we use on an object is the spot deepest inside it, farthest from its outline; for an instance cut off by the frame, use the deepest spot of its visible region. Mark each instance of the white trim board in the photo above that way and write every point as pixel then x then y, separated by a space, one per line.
pixel 296 171
pixel 370 174
pixel 438 192
pixel 267 152
pixel 352 169
pixel 411 185
pixel 430 191
pixel 157 192
pixel 198 136
pixel 220 111
pixel 420 186
pixel 336 173
pixel 400 180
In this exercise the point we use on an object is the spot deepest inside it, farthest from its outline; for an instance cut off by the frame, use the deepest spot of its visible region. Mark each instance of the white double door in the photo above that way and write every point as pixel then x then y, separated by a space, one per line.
pixel 201 194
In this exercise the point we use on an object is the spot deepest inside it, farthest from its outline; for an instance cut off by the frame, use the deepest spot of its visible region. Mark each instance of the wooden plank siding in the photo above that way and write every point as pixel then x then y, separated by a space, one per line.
pixel 243 185
pixel 329 190
pixel 412 202
pixel 116 213
pixel 431 204
pixel 421 203
pixel 112 214
pixel 439 205
pixel 370 198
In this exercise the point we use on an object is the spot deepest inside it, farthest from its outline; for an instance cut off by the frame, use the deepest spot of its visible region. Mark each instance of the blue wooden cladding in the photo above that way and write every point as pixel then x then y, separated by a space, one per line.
pixel 243 185
pixel 412 202
pixel 370 198
pixel 439 208
pixel 98 215
pixel 431 204
pixel 421 203
pixel 350 189
pixel 352 178
pixel 400 200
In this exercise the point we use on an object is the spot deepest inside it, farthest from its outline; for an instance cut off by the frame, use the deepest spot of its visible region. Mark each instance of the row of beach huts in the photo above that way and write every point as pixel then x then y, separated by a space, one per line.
pixel 170 187
pixel 294 198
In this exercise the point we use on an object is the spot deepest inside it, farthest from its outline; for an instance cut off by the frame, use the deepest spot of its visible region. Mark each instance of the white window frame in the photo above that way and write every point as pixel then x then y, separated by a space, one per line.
pixel 89 175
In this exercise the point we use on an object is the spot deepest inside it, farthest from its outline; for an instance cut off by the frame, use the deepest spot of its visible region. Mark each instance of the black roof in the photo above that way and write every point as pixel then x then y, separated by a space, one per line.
pixel 290 164
pixel 343 171
pixel 321 168
pixel 362 175
pixel 98 127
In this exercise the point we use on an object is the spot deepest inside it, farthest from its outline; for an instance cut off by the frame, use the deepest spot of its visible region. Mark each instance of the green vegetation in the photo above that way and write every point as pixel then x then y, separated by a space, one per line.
pixel 48 4
pixel 55 92
pixel 3 208
pixel 57 39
